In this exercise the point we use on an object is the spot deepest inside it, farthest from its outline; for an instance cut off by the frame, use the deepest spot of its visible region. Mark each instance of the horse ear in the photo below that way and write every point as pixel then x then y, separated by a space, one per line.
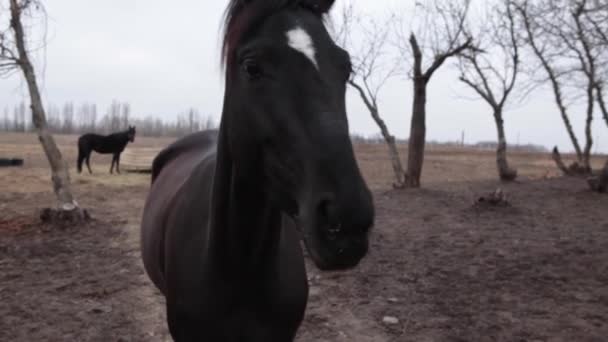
pixel 319 6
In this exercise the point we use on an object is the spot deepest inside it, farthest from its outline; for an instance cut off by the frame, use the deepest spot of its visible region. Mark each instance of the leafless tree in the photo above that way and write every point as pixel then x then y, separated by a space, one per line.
pixel 7 120
pixel 14 55
pixel 19 124
pixel 126 115
pixel 194 120
pixel 372 68
pixel 438 35
pixel 491 70
pixel 566 42
pixel 79 119
pixel 594 21
pixel 68 118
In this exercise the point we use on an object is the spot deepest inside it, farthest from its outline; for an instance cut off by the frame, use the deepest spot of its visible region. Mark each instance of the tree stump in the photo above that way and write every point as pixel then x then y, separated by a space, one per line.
pixel 508 175
pixel 63 218
pixel 575 169
pixel 599 183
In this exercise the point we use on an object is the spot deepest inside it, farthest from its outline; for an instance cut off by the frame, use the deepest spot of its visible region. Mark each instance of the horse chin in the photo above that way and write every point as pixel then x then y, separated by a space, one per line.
pixel 328 256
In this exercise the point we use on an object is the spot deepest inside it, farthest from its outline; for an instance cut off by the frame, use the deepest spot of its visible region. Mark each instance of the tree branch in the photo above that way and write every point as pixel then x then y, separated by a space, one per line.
pixel 440 59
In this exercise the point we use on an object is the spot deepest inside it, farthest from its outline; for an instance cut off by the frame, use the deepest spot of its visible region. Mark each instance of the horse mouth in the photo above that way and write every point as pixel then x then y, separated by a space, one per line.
pixel 332 248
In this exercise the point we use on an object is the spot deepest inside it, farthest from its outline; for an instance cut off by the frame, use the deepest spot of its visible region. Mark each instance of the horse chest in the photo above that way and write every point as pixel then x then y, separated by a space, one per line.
pixel 244 317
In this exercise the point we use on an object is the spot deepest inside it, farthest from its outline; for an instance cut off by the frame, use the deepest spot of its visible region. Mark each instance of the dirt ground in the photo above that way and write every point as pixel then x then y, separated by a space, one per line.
pixel 445 269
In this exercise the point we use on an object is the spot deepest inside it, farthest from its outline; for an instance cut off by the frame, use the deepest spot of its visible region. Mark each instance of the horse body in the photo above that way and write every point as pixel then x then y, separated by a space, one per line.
pixel 265 297
pixel 212 237
pixel 104 144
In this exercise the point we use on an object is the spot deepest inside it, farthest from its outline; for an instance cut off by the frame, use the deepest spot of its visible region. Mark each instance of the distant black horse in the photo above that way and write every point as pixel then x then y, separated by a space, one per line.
pixel 213 241
pixel 105 144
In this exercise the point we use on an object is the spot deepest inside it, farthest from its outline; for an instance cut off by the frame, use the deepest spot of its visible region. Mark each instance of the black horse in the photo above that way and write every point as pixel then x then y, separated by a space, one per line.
pixel 213 241
pixel 105 144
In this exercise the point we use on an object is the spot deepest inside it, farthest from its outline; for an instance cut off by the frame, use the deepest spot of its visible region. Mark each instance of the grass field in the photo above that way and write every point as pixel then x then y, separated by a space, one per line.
pixel 446 269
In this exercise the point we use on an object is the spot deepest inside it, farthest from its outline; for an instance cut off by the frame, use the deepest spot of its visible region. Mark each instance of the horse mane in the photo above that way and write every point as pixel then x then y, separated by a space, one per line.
pixel 182 145
pixel 243 16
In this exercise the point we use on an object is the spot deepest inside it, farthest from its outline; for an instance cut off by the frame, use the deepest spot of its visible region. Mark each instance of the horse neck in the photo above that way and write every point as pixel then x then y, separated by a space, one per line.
pixel 244 228
pixel 122 137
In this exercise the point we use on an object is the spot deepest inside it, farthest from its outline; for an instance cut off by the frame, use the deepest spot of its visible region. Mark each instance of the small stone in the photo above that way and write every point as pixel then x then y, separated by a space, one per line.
pixel 390 320
pixel 101 309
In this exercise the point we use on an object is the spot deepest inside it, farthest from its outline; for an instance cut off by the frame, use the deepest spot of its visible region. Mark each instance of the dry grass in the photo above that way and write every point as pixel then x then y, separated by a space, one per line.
pixel 440 163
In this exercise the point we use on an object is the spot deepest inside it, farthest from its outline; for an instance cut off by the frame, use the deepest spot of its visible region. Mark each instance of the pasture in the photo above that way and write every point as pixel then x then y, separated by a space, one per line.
pixel 447 270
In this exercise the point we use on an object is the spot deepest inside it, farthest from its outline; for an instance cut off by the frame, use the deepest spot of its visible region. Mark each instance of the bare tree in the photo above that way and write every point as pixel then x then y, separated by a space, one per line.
pixel 19 117
pixel 14 54
pixel 492 69
pixel 595 18
pixel 126 115
pixel 565 41
pixel 193 120
pixel 439 36
pixel 576 38
pixel 7 121
pixel 371 70
pixel 68 118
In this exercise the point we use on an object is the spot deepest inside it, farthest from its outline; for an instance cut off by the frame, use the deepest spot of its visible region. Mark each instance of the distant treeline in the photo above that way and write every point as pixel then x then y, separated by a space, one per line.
pixel 84 118
pixel 482 145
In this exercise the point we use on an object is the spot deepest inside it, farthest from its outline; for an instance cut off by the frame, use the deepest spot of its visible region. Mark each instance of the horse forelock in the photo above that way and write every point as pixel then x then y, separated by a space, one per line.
pixel 243 16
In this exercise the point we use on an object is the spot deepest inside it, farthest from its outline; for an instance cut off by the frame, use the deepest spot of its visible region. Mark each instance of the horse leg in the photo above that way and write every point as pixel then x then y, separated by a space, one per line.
pixel 80 160
pixel 88 158
pixel 183 328
pixel 118 163
pixel 112 166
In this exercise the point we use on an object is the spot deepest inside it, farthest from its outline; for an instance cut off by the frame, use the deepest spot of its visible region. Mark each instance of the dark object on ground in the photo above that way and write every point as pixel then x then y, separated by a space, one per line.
pixel 63 218
pixel 6 162
pixel 142 171
pixel 497 198
pixel 599 182
pixel 114 143
pixel 575 169
pixel 509 175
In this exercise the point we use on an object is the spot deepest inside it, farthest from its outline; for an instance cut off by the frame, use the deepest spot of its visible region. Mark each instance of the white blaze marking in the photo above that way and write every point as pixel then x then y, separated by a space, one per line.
pixel 300 40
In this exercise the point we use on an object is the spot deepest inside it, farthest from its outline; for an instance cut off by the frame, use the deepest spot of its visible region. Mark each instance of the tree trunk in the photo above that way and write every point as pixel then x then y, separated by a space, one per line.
pixel 599 183
pixel 603 183
pixel 588 134
pixel 392 151
pixel 59 169
pixel 504 171
pixel 372 106
pixel 562 109
pixel 417 134
pixel 557 157
pixel 601 101
pixel 555 85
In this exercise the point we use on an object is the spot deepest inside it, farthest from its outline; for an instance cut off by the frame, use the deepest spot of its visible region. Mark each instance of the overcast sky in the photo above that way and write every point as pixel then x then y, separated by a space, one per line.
pixel 163 57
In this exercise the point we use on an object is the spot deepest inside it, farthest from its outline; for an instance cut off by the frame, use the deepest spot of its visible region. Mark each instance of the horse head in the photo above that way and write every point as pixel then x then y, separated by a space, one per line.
pixel 285 113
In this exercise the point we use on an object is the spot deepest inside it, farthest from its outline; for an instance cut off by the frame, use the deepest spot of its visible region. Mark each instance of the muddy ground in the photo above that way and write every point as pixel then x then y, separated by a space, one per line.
pixel 448 270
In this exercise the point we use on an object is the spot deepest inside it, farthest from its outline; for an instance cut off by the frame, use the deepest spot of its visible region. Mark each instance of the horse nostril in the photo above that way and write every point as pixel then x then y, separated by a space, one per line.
pixel 333 232
pixel 326 208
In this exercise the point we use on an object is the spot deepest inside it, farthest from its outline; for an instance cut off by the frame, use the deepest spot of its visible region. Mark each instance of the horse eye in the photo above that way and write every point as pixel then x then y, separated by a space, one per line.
pixel 252 69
